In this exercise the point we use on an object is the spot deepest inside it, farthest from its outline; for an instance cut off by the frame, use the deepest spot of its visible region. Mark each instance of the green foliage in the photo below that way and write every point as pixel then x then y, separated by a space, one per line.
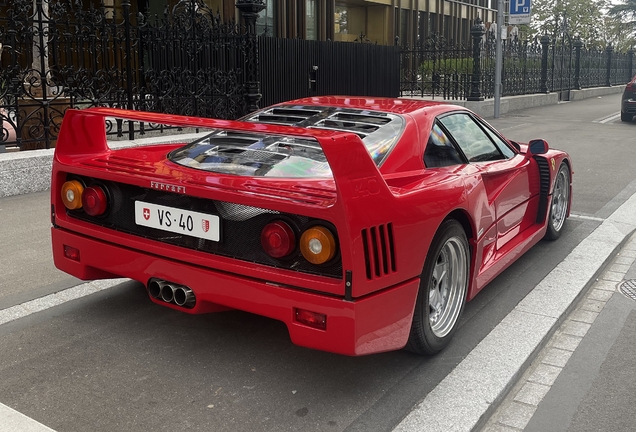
pixel 625 14
pixel 589 19
pixel 446 65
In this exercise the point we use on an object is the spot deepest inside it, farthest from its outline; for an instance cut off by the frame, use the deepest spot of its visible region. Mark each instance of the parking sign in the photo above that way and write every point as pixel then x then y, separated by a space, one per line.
pixel 520 11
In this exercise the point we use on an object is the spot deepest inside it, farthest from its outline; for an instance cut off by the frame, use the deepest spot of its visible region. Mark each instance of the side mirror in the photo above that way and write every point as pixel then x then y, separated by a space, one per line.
pixel 538 146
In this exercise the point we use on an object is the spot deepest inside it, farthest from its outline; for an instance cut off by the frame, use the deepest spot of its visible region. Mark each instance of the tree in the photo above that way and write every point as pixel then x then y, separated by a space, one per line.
pixel 584 18
pixel 625 12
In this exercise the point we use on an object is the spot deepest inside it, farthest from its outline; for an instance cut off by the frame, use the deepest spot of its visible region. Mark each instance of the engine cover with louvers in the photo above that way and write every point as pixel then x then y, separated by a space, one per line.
pixel 260 155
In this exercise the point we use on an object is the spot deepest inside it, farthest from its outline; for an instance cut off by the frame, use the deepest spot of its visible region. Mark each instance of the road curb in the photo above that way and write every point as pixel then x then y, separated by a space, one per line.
pixel 467 397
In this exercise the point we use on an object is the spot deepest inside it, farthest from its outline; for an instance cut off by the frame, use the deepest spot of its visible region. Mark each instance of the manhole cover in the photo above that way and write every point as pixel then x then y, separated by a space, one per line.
pixel 628 288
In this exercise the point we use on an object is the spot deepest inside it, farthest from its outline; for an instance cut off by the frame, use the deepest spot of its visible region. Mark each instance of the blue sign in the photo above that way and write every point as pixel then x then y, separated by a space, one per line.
pixel 520 11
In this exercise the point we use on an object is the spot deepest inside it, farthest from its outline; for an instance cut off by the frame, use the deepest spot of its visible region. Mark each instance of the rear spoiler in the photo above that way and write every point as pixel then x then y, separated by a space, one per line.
pixel 355 172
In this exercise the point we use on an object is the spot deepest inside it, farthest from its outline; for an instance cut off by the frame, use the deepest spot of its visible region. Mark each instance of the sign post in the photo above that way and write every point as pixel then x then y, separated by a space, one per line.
pixel 520 11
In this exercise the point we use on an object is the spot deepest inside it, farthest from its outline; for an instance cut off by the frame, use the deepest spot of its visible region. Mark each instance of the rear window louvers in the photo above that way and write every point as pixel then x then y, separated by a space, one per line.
pixel 379 250
pixel 379 131
pixel 361 124
pixel 285 116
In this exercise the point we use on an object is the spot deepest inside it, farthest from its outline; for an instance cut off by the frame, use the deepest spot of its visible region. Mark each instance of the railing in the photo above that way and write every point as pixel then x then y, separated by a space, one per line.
pixel 559 64
pixel 435 68
pixel 59 54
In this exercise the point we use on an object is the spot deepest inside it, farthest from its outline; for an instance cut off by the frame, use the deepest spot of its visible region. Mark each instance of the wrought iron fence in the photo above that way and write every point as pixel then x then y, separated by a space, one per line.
pixel 436 68
pixel 60 54
pixel 593 67
pixel 547 64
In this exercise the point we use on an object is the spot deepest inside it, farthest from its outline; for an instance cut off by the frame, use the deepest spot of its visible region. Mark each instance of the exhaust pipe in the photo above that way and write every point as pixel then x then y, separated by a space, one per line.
pixel 154 288
pixel 184 296
pixel 171 293
pixel 167 292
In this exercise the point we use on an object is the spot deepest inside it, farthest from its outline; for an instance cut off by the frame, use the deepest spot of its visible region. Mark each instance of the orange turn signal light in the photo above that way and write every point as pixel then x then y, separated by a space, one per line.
pixel 318 245
pixel 72 194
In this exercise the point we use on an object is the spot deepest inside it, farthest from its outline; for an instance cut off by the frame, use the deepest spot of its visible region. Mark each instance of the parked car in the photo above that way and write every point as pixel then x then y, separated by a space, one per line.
pixel 363 224
pixel 628 103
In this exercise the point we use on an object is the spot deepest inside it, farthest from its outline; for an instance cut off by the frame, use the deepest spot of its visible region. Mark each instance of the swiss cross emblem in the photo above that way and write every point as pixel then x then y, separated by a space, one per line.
pixel 205 224
pixel 146 213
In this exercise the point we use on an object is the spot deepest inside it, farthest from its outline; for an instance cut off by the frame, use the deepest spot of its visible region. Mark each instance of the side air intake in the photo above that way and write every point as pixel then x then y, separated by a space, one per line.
pixel 379 250
pixel 544 175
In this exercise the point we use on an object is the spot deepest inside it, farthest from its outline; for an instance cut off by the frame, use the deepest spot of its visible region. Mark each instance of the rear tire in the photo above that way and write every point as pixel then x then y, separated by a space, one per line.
pixel 626 117
pixel 560 205
pixel 442 294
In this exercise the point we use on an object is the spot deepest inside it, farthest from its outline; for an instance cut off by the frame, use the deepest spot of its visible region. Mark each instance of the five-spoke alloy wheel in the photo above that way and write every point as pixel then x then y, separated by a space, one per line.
pixel 442 294
pixel 560 203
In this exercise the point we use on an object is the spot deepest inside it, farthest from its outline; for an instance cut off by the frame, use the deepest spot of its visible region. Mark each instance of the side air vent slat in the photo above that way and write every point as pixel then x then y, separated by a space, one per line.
pixel 379 250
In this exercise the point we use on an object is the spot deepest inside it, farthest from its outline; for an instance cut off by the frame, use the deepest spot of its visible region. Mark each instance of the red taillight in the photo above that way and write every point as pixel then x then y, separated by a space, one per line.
pixel 278 239
pixel 311 319
pixel 71 253
pixel 94 201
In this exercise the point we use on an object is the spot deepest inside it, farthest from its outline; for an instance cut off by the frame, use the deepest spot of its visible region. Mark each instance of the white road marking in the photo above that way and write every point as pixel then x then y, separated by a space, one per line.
pixel 46 302
pixel 14 421
pixel 609 119
pixel 592 218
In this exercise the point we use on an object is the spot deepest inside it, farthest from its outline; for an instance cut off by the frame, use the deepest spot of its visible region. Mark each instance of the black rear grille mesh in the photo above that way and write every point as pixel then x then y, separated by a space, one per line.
pixel 241 226
pixel 379 250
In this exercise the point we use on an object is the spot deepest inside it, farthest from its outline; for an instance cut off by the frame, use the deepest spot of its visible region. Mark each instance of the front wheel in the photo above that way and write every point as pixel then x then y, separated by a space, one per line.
pixel 442 294
pixel 560 203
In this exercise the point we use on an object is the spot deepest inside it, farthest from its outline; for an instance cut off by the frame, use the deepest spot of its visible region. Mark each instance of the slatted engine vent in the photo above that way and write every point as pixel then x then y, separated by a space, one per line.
pixel 360 122
pixel 379 250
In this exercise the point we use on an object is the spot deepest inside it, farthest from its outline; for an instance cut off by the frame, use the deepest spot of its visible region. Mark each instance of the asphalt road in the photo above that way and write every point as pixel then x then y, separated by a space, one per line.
pixel 114 361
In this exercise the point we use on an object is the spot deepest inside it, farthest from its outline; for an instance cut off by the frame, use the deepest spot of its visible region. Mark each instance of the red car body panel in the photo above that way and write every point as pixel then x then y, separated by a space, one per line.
pixel 385 218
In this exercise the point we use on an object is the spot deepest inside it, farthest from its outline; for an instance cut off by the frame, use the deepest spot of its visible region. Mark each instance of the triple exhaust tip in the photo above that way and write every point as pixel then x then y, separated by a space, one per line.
pixel 171 293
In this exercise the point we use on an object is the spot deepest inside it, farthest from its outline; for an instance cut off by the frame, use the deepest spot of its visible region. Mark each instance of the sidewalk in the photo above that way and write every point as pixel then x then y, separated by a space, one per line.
pixel 585 377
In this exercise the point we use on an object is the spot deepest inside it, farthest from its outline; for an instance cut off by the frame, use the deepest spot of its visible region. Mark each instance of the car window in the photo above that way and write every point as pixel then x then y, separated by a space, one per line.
pixel 505 149
pixel 472 140
pixel 440 150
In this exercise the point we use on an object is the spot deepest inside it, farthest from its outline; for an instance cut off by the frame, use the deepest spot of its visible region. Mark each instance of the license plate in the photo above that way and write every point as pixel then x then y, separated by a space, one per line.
pixel 178 221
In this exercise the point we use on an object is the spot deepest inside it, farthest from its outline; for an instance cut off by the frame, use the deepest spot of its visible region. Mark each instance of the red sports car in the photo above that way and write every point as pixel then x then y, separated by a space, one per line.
pixel 363 224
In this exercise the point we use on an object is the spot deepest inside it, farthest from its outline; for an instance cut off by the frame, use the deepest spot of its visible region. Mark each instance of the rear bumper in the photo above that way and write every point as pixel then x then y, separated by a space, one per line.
pixel 628 106
pixel 376 323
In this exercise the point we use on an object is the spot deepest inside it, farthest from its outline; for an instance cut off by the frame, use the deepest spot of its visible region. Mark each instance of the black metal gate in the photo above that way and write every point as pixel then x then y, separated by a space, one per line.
pixel 294 68
pixel 58 54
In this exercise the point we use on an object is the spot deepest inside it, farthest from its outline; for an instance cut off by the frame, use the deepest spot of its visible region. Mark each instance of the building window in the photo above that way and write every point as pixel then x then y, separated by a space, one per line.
pixel 311 20
pixel 265 23
pixel 341 20
pixel 404 25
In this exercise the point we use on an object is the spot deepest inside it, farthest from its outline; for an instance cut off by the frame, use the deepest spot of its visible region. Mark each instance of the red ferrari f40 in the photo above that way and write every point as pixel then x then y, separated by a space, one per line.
pixel 363 224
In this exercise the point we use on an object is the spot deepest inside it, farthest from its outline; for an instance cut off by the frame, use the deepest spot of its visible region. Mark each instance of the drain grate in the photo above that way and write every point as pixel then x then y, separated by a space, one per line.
pixel 628 288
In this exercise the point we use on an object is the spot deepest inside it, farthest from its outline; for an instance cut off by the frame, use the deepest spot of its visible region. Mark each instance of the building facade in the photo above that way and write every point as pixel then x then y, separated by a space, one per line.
pixel 376 21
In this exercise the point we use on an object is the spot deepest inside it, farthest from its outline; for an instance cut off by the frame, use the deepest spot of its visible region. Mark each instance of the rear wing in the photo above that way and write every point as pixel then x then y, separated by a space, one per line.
pixel 364 206
pixel 355 172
